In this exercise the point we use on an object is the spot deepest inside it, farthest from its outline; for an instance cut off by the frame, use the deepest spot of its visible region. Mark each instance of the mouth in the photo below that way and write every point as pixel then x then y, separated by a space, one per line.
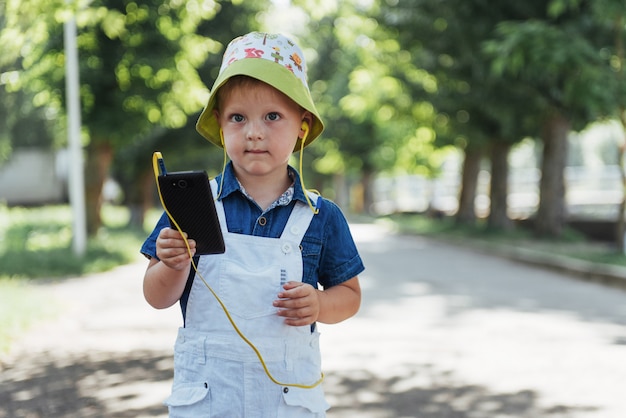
pixel 256 151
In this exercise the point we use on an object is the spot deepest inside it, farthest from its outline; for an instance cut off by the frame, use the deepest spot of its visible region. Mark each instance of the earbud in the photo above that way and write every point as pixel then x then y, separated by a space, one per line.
pixel 305 129
pixel 222 136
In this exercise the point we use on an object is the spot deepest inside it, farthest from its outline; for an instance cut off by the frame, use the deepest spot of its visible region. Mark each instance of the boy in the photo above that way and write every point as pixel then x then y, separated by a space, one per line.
pixel 281 241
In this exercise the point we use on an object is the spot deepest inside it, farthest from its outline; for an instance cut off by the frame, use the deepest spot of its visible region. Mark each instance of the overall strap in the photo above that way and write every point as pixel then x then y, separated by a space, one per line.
pixel 219 207
pixel 299 220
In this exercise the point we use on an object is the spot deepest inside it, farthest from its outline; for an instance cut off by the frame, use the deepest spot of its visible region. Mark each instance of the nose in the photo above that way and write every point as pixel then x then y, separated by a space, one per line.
pixel 255 131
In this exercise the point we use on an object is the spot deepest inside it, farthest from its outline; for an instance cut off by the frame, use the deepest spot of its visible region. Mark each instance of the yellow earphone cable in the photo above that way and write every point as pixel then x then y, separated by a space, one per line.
pixel 305 128
pixel 155 165
pixel 219 192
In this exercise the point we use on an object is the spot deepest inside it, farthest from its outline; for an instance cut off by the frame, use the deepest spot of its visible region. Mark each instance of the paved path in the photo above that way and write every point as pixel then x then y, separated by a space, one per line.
pixel 443 333
pixel 107 355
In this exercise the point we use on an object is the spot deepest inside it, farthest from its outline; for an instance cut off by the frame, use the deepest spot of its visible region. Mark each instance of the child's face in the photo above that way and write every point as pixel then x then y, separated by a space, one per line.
pixel 261 126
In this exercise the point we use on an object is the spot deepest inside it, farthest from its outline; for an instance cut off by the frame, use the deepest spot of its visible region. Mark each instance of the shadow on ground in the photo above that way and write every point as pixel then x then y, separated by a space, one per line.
pixel 102 385
pixel 363 394
pixel 134 385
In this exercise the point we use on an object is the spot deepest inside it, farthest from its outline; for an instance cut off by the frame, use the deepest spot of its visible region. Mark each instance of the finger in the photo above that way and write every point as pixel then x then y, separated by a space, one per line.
pixel 168 233
pixel 298 322
pixel 173 242
pixel 295 313
pixel 298 319
pixel 171 233
pixel 177 262
pixel 294 290
pixel 174 253
pixel 292 303
pixel 292 285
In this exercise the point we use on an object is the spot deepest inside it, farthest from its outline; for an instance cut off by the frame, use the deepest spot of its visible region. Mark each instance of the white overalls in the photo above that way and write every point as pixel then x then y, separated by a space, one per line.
pixel 216 373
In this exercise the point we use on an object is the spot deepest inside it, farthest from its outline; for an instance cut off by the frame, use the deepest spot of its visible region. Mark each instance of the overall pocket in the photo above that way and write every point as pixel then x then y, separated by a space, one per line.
pixel 187 399
pixel 300 403
pixel 246 293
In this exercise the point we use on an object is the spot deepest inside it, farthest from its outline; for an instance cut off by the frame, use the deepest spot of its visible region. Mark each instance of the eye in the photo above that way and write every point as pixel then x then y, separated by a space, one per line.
pixel 273 116
pixel 236 118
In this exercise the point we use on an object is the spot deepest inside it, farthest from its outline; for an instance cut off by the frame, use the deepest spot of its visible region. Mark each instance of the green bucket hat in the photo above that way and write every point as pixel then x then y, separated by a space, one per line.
pixel 271 58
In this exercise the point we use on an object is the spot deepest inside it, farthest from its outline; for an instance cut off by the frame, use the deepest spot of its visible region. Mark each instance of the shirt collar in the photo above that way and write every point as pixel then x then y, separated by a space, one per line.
pixel 231 185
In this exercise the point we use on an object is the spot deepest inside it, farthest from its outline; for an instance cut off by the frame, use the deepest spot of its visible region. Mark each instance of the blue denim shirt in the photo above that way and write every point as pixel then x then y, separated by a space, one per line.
pixel 329 254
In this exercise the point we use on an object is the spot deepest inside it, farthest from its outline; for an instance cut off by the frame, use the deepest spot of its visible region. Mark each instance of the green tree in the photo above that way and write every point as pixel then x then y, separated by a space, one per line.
pixel 611 15
pixel 474 109
pixel 26 123
pixel 504 71
pixel 140 72
pixel 359 88
pixel 183 148
pixel 559 56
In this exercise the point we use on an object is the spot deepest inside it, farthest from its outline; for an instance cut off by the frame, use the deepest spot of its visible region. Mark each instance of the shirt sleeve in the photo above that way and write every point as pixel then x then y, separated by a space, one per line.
pixel 340 260
pixel 149 246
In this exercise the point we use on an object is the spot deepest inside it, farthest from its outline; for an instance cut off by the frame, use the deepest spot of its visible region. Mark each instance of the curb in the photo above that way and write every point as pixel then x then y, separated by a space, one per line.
pixel 601 273
pixel 606 274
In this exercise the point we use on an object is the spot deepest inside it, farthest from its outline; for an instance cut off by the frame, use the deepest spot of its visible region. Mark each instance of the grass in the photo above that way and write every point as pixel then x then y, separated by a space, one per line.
pixel 36 244
pixel 571 244
pixel 21 305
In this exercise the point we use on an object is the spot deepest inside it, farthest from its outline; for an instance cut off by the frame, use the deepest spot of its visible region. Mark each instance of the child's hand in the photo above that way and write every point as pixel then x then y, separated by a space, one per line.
pixel 299 304
pixel 171 249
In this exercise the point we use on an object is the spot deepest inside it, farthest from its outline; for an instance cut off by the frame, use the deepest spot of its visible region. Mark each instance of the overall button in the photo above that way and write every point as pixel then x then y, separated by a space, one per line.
pixel 286 248
pixel 262 221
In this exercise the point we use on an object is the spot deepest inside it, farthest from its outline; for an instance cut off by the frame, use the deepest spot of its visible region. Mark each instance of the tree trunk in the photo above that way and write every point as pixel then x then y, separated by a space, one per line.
pixel 367 181
pixel 498 216
pixel 342 192
pixel 141 198
pixel 99 158
pixel 621 222
pixel 551 213
pixel 466 213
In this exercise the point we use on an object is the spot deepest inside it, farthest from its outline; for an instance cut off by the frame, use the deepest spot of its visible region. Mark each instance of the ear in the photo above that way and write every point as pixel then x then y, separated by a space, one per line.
pixel 307 123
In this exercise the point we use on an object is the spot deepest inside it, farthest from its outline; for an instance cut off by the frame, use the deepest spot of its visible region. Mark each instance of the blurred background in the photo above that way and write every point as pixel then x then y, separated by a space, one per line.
pixel 502 114
pixel 498 122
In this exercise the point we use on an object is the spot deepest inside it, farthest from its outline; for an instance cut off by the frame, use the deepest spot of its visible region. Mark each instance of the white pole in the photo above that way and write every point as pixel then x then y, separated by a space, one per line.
pixel 75 172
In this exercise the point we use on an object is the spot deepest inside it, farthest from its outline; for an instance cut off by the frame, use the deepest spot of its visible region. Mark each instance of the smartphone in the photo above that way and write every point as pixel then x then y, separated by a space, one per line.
pixel 189 201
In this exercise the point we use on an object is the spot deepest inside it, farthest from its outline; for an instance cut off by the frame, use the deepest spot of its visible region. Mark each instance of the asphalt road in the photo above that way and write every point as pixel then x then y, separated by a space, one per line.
pixel 443 332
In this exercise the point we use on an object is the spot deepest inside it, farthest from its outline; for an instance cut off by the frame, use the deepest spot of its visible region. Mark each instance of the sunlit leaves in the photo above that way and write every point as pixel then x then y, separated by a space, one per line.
pixel 558 7
pixel 26 110
pixel 127 50
pixel 167 27
pixel 563 65
pixel 10 79
pixel 422 110
pixel 114 24
pixel 332 161
pixel 369 103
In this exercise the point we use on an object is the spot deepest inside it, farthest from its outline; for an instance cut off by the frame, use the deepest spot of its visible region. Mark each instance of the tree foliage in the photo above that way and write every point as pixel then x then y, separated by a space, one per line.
pixel 140 69
pixel 561 54
pixel 374 123
pixel 27 114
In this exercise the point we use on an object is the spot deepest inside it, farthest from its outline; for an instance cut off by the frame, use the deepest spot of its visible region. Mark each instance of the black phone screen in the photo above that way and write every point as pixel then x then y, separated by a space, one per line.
pixel 189 201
